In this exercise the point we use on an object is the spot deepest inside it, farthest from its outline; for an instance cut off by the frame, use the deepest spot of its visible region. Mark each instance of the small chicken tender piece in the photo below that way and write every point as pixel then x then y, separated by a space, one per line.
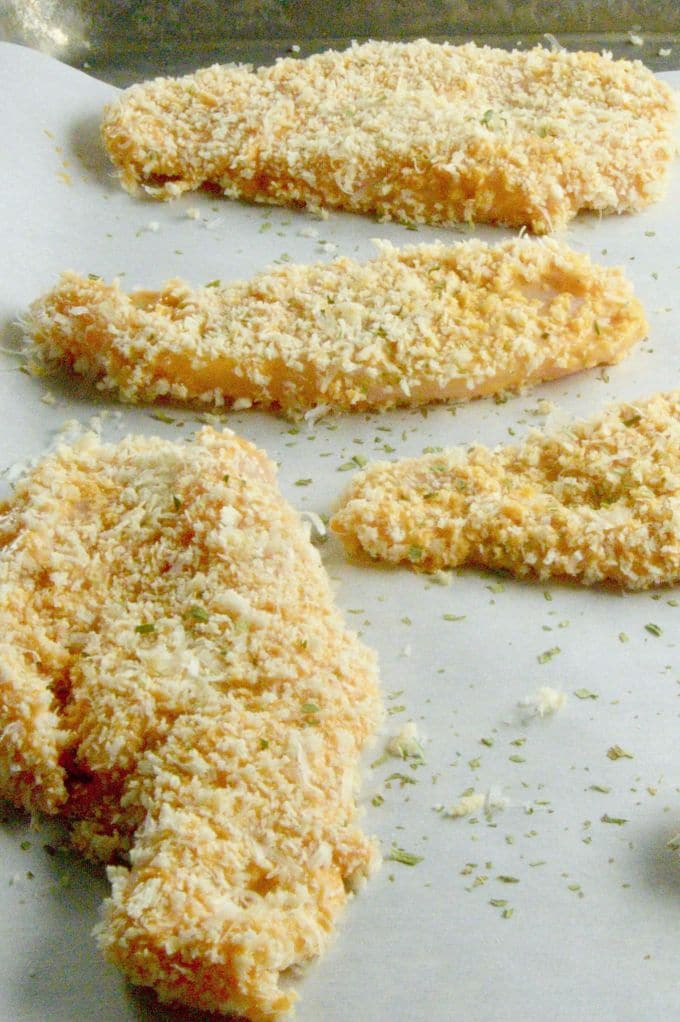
pixel 598 501
pixel 176 680
pixel 415 325
pixel 415 131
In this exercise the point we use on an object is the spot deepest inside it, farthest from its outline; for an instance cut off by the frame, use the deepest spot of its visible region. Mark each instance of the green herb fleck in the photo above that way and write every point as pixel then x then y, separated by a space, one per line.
pixel 405 858
pixel 402 778
pixel 302 482
pixel 507 879
pixel 604 789
pixel 453 617
pixel 377 800
pixel 379 761
pixel 310 708
pixel 198 614
pixel 146 629
pixel 548 654
pixel 617 820
pixel 415 553
pixel 585 693
pixel 654 629
pixel 214 283
pixel 616 752
pixel 176 503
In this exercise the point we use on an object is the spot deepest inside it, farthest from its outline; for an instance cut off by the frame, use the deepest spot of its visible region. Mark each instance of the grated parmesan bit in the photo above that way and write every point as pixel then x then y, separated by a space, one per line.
pixel 468 805
pixel 406 744
pixel 417 132
pixel 491 802
pixel 176 681
pixel 596 501
pixel 545 702
pixel 411 326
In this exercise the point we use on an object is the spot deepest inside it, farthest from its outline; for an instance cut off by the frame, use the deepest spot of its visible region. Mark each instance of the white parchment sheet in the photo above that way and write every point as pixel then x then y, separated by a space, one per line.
pixel 590 929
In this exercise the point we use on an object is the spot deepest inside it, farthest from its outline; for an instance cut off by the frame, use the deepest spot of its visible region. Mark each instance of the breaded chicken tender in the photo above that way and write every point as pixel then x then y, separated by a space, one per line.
pixel 597 501
pixel 416 131
pixel 414 325
pixel 176 680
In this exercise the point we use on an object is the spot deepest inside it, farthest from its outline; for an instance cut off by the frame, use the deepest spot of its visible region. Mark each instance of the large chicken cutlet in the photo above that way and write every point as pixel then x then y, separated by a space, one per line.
pixel 417 131
pixel 597 501
pixel 176 681
pixel 411 326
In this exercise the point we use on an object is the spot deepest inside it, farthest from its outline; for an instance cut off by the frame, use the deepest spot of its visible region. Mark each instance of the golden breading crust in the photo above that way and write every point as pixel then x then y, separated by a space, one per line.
pixel 411 131
pixel 597 501
pixel 425 323
pixel 175 678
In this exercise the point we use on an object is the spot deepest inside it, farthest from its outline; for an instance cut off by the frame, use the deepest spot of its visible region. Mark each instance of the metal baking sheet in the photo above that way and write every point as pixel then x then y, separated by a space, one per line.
pixel 121 41
pixel 593 929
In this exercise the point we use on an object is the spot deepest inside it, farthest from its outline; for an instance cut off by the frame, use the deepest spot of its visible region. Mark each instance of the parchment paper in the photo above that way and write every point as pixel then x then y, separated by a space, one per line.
pixel 593 932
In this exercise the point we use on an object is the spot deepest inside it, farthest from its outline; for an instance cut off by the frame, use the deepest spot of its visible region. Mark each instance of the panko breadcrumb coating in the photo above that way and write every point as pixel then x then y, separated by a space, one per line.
pixel 175 678
pixel 597 501
pixel 417 131
pixel 420 324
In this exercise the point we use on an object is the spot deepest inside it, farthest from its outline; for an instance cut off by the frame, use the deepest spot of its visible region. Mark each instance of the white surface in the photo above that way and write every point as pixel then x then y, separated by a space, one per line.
pixel 420 943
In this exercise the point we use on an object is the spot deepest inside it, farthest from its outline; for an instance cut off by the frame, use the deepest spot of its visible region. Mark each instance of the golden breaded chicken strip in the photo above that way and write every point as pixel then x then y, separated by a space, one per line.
pixel 415 325
pixel 414 131
pixel 175 678
pixel 597 501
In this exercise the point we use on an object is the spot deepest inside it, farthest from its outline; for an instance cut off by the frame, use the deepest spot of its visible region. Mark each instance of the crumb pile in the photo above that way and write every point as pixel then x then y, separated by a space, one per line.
pixel 597 501
pixel 414 325
pixel 417 131
pixel 175 679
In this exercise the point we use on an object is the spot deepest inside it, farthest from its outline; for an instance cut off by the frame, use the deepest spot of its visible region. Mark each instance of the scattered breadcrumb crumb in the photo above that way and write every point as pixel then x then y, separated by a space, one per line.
pixel 467 805
pixel 491 802
pixel 406 744
pixel 545 701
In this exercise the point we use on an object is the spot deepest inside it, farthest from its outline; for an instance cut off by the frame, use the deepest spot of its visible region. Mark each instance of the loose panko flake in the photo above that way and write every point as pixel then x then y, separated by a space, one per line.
pixel 414 325
pixel 419 131
pixel 597 501
pixel 176 681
